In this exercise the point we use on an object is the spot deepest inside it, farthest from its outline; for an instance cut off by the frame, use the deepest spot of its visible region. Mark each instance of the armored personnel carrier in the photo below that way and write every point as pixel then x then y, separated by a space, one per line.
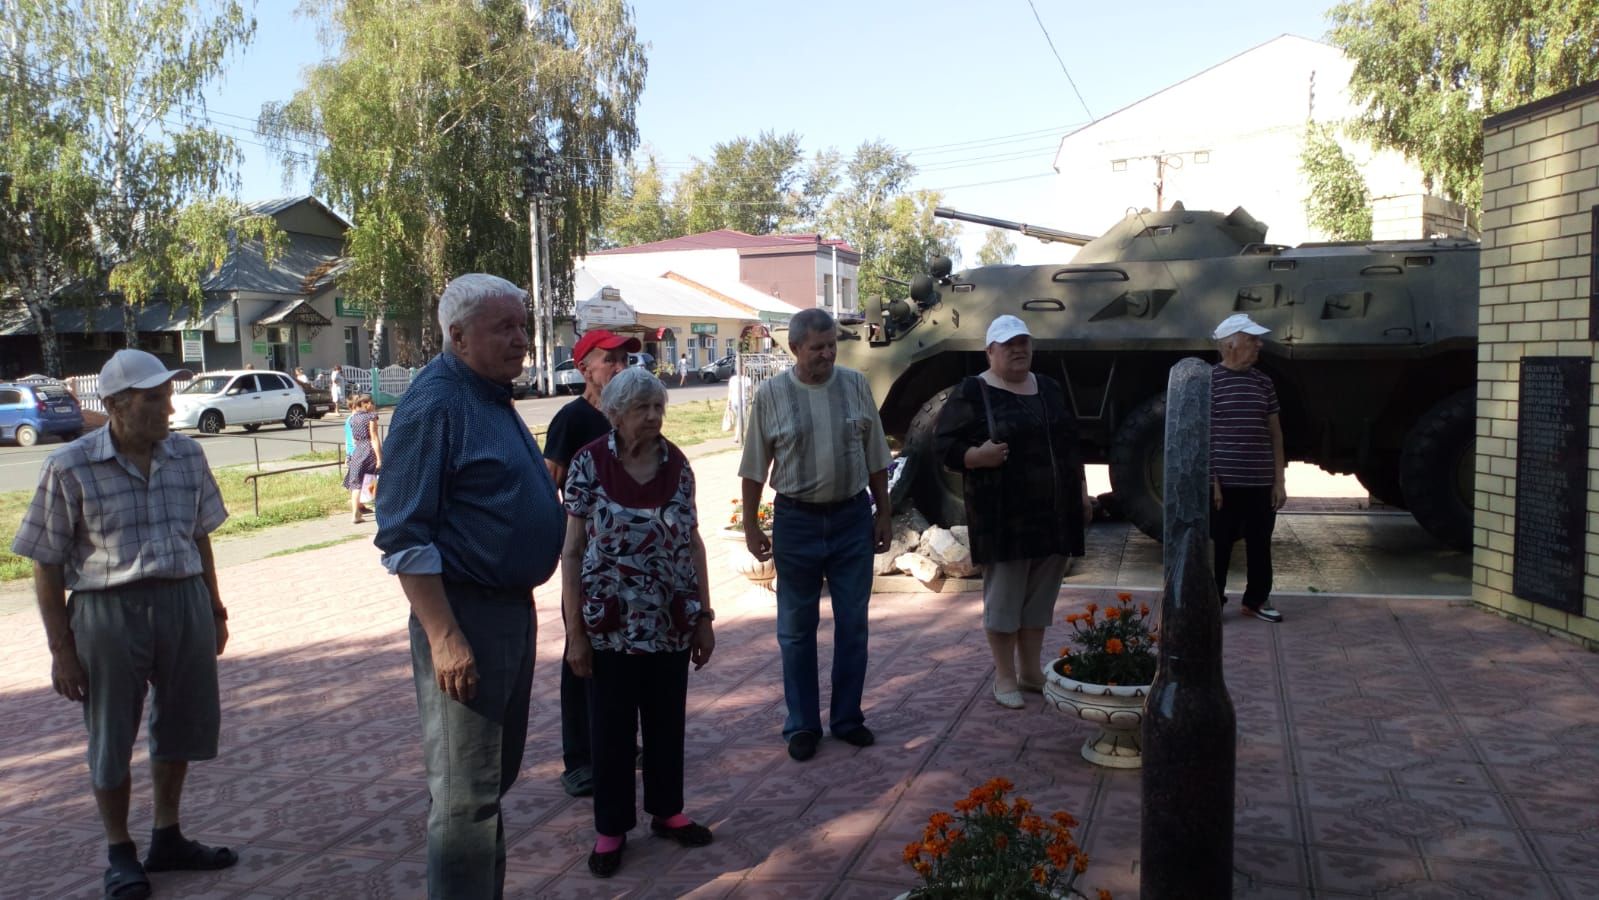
pixel 1373 352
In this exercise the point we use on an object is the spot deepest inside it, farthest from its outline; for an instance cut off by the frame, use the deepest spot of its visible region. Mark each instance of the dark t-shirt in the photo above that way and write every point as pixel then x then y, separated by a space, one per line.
pixel 1241 407
pixel 576 425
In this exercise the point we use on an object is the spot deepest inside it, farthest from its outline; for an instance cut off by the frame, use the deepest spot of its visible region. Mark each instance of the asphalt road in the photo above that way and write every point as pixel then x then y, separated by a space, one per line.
pixel 19 466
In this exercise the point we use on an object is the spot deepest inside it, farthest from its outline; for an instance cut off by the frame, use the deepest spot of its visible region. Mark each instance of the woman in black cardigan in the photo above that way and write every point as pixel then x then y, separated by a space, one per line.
pixel 1012 435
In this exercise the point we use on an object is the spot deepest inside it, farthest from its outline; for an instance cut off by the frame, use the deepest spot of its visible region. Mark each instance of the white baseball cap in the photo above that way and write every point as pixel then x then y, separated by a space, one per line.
pixel 1005 328
pixel 135 369
pixel 1236 323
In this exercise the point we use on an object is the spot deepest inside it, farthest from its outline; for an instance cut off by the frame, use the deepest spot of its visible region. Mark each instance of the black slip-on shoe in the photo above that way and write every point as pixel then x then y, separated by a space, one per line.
pixel 802 745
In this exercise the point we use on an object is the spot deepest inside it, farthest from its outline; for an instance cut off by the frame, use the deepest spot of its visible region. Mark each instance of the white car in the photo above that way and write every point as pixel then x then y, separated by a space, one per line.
pixel 215 400
pixel 568 380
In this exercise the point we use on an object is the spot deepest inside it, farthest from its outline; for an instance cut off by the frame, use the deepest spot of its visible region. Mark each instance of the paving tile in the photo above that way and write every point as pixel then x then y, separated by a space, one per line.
pixel 1566 853
pixel 1364 872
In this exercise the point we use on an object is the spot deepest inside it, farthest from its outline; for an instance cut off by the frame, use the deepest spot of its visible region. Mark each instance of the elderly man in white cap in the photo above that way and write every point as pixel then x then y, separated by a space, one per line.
pixel 122 519
pixel 1246 461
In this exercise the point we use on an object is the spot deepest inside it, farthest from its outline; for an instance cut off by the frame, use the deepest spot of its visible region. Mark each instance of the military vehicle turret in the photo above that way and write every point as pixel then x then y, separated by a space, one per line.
pixel 1373 352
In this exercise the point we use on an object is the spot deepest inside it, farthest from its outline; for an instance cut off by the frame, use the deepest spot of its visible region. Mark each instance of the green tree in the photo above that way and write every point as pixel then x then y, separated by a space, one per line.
pixel 1338 202
pixel 997 250
pixel 420 117
pixel 749 185
pixel 1429 71
pixel 126 81
pixel 893 229
pixel 639 209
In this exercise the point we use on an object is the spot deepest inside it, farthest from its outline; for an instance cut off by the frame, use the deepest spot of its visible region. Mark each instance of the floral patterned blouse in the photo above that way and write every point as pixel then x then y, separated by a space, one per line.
pixel 640 590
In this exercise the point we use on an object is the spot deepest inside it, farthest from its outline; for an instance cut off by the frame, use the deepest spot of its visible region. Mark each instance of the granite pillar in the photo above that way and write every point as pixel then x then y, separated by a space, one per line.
pixel 1189 726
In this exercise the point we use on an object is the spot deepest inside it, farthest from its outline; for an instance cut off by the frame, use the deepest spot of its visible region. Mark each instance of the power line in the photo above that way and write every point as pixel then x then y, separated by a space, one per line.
pixel 1051 42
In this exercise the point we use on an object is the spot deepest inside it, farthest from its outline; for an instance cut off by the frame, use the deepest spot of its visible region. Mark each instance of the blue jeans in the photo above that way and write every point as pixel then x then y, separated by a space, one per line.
pixel 473 751
pixel 808 546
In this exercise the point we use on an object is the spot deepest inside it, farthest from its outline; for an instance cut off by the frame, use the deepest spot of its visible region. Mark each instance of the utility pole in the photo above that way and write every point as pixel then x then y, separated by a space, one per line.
pixel 531 158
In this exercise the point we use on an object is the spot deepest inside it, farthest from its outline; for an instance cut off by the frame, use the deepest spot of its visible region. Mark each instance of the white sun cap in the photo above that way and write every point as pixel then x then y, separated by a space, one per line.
pixel 134 369
pixel 1236 323
pixel 1005 328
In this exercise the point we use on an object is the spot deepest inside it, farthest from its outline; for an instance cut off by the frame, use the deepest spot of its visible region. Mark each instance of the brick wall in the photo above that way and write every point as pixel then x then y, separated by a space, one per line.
pixel 1540 186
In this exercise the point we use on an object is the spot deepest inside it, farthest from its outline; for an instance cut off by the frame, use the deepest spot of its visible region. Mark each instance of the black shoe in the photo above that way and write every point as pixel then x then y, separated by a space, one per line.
pixel 578 782
pixel 691 835
pixel 1266 613
pixel 802 745
pixel 857 737
pixel 604 865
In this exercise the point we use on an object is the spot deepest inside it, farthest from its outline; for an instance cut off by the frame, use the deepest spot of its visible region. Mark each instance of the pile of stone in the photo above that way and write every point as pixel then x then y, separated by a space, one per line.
pixel 927 552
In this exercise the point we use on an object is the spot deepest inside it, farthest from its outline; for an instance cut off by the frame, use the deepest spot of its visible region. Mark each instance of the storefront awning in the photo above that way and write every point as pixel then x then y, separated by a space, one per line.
pixel 294 312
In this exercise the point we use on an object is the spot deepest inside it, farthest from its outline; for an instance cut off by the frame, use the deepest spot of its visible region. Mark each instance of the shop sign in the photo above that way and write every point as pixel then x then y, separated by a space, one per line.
pixel 702 327
pixel 194 346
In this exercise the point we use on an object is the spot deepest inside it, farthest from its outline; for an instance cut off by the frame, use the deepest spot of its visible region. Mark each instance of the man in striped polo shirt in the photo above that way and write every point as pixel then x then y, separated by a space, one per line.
pixel 1246 461
pixel 816 428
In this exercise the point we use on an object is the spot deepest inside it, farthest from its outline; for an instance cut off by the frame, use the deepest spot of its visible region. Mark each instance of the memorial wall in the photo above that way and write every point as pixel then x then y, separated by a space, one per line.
pixel 1537 482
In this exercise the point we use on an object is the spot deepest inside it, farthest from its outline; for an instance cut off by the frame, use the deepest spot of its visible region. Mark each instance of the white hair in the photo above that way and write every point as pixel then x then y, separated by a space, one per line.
pixel 466 294
pixel 630 387
pixel 806 322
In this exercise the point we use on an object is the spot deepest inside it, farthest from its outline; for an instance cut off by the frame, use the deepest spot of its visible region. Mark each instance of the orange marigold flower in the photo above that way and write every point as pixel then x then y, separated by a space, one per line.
pixel 941 820
pixel 1111 612
pixel 922 867
pixel 1143 609
pixel 1064 820
pixel 1104 894
pixel 997 808
pixel 1113 646
pixel 965 804
pixel 937 849
pixel 1080 864
pixel 1023 805
pixel 1092 608
pixel 1124 597
pixel 1058 855
pixel 1065 652
pixel 1039 875
pixel 1002 783
pixel 956 836
pixel 912 852
pixel 1032 825
pixel 1001 842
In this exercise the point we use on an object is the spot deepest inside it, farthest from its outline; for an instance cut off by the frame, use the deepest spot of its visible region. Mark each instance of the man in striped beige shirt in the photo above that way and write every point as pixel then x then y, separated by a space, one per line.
pixel 1246 462
pixel 816 429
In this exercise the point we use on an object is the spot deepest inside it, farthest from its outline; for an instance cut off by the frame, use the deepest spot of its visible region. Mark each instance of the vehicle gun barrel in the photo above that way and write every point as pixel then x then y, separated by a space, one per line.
pixel 1048 235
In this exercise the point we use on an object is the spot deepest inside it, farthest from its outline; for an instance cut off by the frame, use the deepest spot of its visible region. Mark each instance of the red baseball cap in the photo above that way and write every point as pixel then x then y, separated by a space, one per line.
pixel 604 340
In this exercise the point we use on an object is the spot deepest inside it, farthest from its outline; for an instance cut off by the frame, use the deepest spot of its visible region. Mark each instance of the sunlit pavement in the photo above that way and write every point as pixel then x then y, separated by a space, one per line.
pixel 1386 747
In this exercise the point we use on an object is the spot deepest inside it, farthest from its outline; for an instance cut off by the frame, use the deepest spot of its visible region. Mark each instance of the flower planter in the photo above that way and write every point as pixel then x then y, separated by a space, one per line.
pixel 1118 710
pixel 762 574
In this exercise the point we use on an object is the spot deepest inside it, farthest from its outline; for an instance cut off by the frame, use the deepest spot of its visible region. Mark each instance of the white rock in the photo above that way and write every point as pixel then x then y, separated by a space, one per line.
pixel 954 557
pixel 883 563
pixel 917 566
pixel 962 534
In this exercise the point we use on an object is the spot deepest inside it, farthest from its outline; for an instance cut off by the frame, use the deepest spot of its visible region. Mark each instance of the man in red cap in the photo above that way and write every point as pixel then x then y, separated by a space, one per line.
pixel 599 355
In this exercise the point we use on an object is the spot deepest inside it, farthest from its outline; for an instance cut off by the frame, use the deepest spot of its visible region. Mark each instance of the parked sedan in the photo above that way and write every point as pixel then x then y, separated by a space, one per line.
pixel 31 409
pixel 215 400
pixel 526 384
pixel 722 369
pixel 568 380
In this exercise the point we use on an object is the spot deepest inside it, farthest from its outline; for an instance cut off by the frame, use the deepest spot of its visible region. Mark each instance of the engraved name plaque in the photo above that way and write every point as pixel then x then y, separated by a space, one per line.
pixel 1551 481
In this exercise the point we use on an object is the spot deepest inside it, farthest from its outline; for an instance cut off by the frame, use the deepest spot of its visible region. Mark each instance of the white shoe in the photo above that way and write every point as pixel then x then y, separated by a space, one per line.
pixel 1009 699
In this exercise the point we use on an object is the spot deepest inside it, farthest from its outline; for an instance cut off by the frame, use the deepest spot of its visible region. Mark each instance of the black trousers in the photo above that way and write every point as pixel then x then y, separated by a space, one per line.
pixel 1246 512
pixel 574 718
pixel 629 693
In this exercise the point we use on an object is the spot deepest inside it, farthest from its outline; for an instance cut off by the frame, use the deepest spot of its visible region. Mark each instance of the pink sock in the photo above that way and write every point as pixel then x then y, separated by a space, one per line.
pixel 604 843
pixel 677 821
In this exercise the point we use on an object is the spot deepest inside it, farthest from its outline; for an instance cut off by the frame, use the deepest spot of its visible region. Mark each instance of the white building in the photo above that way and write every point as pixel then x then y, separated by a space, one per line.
pixel 1231 136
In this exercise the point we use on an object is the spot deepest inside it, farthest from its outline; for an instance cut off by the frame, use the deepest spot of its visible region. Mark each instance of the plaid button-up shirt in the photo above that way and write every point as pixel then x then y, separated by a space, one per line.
pixel 99 518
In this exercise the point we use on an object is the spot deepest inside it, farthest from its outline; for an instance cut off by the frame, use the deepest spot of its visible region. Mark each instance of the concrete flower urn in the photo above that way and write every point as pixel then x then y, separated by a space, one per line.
pixel 1117 709
pixel 761 574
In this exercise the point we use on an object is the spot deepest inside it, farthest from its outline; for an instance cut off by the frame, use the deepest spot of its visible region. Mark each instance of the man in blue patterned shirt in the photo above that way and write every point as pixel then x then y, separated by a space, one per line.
pixel 469 521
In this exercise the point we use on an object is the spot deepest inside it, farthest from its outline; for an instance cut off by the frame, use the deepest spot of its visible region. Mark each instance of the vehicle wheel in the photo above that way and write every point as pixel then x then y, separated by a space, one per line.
pixel 708 377
pixel 1380 477
pixel 253 427
pixel 27 436
pixel 935 490
pixel 1438 469
pixel 295 418
pixel 1138 466
pixel 210 421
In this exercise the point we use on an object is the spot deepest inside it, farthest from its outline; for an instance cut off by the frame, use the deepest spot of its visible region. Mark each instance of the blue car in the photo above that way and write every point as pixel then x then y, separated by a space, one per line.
pixel 28 410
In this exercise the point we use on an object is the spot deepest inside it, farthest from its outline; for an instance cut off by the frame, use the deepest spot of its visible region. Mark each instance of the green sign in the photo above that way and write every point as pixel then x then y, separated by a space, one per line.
pixel 305 348
pixel 343 306
pixel 702 327
pixel 259 348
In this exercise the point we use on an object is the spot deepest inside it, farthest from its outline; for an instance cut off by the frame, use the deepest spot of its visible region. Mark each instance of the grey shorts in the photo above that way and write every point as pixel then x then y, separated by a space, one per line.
pixel 1020 593
pixel 158 633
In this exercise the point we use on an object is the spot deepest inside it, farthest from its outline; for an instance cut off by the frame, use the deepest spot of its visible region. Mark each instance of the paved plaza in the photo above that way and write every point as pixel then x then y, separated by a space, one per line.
pixel 1387 747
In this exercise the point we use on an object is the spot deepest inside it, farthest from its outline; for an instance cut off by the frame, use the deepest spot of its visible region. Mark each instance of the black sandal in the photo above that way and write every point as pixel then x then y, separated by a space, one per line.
pixel 604 865
pixel 189 856
pixel 125 880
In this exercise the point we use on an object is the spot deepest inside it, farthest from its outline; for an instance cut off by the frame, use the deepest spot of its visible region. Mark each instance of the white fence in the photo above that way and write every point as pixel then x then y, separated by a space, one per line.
pixel 87 387
pixel 393 381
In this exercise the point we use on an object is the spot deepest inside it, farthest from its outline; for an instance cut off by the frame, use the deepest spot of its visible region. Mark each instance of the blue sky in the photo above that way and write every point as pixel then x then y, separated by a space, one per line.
pixel 972 89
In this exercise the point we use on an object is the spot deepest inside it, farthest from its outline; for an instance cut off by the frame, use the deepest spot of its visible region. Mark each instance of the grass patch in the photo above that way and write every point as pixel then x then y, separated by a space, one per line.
pixel 291 497
pixel 12 505
pixel 695 422
pixel 333 543
pixel 318 456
